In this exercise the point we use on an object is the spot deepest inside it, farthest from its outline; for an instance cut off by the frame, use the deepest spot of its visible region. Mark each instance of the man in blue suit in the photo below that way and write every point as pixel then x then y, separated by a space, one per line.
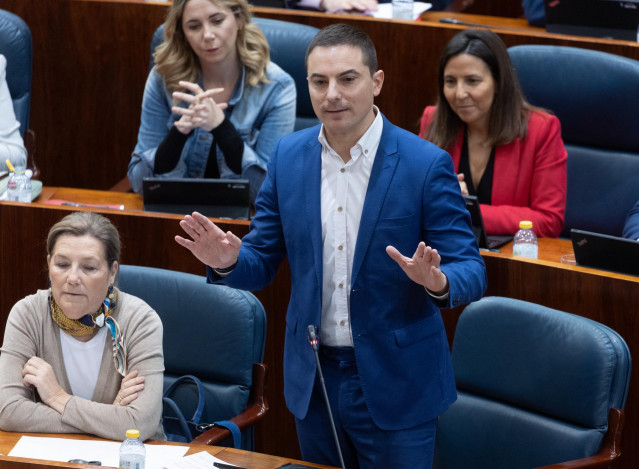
pixel 631 228
pixel 343 200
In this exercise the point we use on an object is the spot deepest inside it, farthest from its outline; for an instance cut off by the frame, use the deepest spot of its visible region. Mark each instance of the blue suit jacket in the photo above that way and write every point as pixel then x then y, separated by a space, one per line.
pixel 631 228
pixel 400 343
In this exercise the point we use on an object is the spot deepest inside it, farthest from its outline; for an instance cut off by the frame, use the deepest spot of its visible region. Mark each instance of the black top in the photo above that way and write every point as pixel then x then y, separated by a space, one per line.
pixel 484 189
pixel 225 135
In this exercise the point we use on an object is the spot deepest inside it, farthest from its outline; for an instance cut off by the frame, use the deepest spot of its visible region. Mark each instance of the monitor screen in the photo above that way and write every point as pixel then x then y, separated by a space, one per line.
pixel 597 18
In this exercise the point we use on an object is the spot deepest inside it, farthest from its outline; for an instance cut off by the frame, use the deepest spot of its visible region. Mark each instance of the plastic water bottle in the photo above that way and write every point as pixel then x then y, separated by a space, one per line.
pixel 525 243
pixel 132 452
pixel 403 9
pixel 19 186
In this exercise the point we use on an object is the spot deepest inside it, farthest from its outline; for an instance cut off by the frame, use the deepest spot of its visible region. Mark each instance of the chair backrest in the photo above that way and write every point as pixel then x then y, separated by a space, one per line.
pixel 16 46
pixel 288 43
pixel 534 386
pixel 595 96
pixel 213 332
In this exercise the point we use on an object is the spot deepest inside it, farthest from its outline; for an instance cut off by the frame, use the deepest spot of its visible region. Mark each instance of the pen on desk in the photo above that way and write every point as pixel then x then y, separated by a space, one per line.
pixel 73 204
pixel 476 25
pixel 489 250
pixel 221 465
pixel 450 21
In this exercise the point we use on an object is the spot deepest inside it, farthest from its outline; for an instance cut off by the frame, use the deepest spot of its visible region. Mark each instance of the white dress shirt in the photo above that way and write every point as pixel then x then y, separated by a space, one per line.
pixel 342 199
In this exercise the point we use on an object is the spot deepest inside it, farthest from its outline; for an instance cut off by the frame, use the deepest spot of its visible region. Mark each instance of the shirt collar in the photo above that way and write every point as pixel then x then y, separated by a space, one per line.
pixel 369 140
pixel 239 89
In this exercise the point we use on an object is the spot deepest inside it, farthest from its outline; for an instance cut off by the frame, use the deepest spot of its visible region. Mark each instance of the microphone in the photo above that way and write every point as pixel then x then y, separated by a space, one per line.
pixel 314 341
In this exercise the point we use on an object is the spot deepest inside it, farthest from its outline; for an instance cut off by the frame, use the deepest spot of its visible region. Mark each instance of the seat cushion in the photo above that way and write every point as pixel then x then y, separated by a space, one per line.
pixel 478 433
pixel 541 360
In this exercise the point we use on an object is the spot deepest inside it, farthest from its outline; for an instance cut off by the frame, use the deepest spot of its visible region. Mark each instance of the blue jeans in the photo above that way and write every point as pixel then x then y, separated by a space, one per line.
pixel 363 444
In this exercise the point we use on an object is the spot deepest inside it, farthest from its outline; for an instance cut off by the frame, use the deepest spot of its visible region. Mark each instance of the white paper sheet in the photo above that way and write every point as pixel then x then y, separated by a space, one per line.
pixel 385 10
pixel 107 452
pixel 201 460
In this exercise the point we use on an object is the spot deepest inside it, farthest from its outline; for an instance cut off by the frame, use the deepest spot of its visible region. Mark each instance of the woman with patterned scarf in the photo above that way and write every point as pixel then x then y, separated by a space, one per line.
pixel 82 357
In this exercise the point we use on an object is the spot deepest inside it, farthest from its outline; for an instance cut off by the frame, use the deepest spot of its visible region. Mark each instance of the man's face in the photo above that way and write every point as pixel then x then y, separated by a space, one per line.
pixel 342 90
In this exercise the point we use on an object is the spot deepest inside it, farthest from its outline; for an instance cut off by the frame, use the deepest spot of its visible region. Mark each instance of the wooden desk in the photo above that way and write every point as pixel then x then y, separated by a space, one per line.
pixel 234 456
pixel 606 297
pixel 91 61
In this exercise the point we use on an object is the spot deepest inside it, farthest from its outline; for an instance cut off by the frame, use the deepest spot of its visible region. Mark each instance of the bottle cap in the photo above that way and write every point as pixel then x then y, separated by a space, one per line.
pixel 133 433
pixel 525 225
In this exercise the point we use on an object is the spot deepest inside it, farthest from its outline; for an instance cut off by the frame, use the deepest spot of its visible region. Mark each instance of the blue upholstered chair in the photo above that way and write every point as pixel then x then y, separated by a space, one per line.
pixel 596 97
pixel 288 43
pixel 16 46
pixel 214 332
pixel 536 387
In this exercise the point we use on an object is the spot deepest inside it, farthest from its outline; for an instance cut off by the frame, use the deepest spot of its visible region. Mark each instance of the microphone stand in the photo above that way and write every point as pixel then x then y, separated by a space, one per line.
pixel 312 338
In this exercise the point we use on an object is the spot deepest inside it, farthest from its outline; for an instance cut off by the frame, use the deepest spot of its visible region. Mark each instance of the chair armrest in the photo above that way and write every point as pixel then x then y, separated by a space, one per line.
pixel 255 410
pixel 610 447
pixel 123 185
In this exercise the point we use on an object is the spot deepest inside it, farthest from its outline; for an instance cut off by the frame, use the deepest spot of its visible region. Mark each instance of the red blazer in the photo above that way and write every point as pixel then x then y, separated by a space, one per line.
pixel 529 179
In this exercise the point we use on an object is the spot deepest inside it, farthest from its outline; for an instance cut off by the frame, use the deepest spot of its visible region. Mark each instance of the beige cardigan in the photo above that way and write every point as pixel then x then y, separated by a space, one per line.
pixel 30 331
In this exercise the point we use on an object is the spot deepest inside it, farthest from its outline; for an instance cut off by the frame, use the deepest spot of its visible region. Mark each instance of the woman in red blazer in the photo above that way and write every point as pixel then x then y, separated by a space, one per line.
pixel 506 152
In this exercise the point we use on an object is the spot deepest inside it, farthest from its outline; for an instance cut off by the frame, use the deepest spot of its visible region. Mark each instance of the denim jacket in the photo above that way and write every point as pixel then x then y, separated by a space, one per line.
pixel 261 114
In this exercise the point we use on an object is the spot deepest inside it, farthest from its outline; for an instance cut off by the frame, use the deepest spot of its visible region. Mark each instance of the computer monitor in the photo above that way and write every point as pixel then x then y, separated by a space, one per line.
pixel 218 198
pixel 611 19
pixel 605 252
pixel 484 241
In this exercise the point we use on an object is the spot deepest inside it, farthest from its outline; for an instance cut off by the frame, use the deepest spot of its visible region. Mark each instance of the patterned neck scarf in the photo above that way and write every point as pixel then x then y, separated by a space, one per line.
pixel 87 323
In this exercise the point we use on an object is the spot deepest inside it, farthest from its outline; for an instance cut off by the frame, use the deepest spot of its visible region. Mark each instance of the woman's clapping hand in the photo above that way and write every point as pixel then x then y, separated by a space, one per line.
pixel 203 110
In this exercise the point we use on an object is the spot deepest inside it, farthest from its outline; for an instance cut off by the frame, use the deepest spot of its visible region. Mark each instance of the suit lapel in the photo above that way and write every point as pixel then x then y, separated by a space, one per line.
pixel 382 172
pixel 312 216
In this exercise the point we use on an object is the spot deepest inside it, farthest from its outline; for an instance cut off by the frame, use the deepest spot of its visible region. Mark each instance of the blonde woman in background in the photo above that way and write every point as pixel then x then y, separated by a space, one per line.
pixel 214 105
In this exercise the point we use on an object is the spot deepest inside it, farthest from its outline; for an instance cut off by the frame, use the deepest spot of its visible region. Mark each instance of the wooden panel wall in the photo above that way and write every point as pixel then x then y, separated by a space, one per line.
pixel 90 66
pixel 91 63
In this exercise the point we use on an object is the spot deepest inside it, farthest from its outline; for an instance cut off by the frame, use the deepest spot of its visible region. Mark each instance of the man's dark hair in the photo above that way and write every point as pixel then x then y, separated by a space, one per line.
pixel 345 35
